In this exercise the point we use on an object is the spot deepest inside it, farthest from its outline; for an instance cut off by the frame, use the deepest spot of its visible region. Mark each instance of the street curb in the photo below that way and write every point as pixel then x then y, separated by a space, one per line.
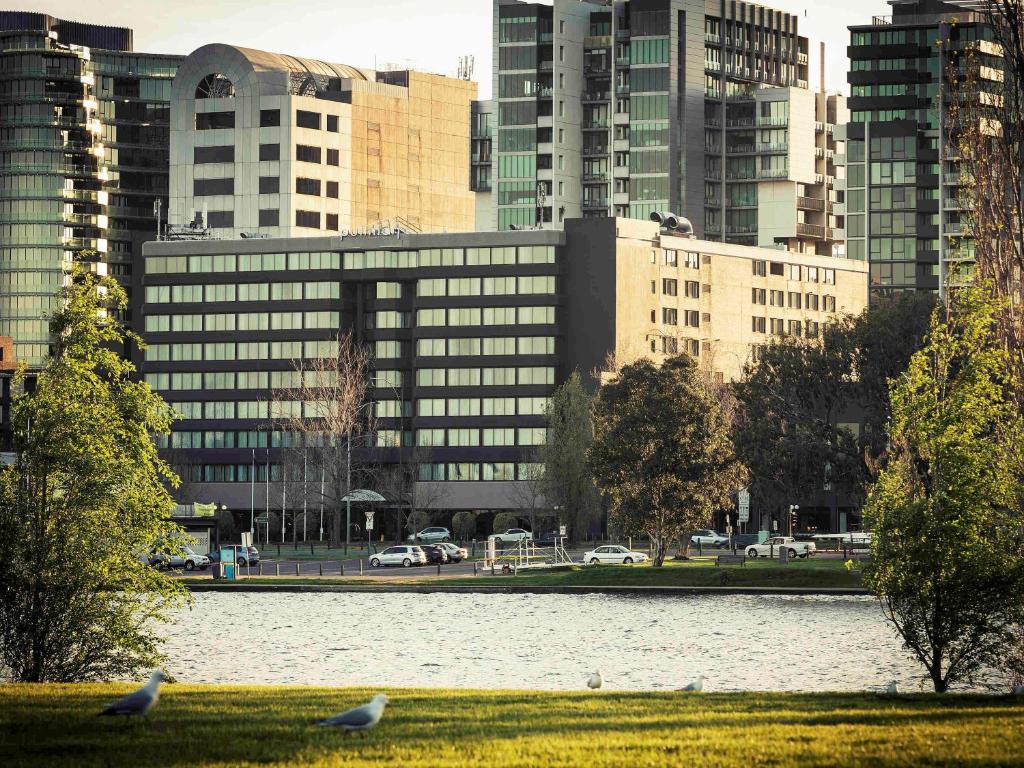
pixel 527 589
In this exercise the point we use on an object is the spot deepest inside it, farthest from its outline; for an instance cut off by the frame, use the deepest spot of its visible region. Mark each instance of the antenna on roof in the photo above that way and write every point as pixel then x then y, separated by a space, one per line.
pixel 465 70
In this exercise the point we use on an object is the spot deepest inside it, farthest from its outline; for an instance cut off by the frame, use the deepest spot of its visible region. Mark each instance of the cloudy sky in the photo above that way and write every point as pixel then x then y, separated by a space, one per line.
pixel 425 34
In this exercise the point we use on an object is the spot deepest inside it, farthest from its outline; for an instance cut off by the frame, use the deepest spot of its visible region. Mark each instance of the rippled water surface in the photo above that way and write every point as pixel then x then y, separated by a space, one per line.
pixel 739 642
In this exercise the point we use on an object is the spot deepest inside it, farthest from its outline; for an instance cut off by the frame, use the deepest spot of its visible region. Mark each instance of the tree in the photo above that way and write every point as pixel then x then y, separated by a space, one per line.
pixel 84 504
pixel 985 123
pixel 464 525
pixel 566 479
pixel 662 452
pixel 946 551
pixel 326 412
pixel 798 401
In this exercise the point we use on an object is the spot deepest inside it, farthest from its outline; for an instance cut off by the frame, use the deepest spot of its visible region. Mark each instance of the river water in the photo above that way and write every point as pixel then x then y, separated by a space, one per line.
pixel 739 642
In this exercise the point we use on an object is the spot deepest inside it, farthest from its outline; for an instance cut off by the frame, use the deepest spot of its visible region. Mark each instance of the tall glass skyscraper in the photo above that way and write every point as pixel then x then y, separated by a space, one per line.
pixel 83 156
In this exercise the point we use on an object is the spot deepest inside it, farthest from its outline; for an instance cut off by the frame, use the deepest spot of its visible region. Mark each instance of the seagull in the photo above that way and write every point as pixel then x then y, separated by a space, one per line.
pixel 697 685
pixel 892 688
pixel 139 702
pixel 361 718
pixel 595 681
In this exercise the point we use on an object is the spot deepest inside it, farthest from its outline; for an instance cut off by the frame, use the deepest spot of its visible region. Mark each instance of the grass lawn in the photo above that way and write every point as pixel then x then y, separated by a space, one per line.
pixel 196 726
pixel 689 573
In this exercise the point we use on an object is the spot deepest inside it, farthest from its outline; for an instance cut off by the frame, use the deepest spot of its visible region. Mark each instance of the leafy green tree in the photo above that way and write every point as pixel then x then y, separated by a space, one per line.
pixel 84 503
pixel 798 401
pixel 946 551
pixel 464 525
pixel 662 452
pixel 566 481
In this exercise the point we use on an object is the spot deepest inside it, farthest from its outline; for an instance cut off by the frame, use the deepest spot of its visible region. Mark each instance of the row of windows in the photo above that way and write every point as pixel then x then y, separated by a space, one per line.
pixel 245 262
pixel 780 327
pixel 242 321
pixel 243 350
pixel 245 473
pixel 189 294
pixel 463 316
pixel 793 300
pixel 476 472
pixel 481 406
pixel 487 377
pixel 762 268
pixel 487 437
pixel 487 286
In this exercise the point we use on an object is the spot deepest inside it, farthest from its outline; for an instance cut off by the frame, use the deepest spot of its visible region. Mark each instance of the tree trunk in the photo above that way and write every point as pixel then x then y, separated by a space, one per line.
pixel 657 551
pixel 935 671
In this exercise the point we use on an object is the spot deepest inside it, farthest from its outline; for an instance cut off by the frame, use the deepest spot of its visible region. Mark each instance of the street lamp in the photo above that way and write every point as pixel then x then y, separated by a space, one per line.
pixel 792 516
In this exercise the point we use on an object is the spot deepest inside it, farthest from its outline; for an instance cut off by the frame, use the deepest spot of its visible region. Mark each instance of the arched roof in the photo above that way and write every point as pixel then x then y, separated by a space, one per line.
pixel 258 72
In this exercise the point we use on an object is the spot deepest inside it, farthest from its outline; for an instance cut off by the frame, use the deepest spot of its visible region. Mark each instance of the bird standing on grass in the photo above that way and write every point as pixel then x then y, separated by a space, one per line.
pixel 139 702
pixel 892 688
pixel 361 718
pixel 697 685
pixel 595 681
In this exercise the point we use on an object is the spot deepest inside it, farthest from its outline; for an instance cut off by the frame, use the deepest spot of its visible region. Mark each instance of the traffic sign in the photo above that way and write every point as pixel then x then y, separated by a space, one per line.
pixel 743 499
pixel 369 520
pixel 561 530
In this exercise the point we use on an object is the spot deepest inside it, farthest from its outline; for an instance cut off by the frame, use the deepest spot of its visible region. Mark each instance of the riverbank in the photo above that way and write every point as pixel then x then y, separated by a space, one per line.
pixel 198 726
pixel 692 576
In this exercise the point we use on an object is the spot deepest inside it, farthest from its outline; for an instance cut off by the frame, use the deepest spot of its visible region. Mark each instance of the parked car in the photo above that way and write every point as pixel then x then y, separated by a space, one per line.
pixel 549 539
pixel 432 535
pixel 708 538
pixel 405 556
pixel 188 559
pixel 774 544
pixel 613 553
pixel 455 554
pixel 511 536
pixel 435 553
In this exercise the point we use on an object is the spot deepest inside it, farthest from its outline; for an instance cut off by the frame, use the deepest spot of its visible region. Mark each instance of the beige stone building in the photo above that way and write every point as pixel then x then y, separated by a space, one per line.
pixel 281 146
pixel 654 293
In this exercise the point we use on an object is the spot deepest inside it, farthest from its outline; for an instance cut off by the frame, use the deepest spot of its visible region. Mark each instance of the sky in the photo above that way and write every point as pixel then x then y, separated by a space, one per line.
pixel 428 35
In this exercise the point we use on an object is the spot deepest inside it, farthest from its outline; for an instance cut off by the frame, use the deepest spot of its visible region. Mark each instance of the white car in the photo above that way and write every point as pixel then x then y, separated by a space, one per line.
pixel 613 553
pixel 432 535
pixel 188 559
pixel 708 538
pixel 771 547
pixel 405 556
pixel 511 536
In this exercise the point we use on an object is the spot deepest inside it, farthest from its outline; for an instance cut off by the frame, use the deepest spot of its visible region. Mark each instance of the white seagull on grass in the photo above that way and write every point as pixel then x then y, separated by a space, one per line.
pixel 139 702
pixel 595 681
pixel 892 688
pixel 361 718
pixel 697 685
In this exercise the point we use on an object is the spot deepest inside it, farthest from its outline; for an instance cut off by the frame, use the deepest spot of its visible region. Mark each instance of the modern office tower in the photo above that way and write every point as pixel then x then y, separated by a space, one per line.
pixel 470 333
pixel 285 146
pixel 903 211
pixel 634 106
pixel 83 157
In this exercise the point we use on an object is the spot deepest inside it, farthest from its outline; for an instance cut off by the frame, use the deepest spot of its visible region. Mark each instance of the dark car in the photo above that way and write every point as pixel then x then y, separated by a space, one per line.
pixel 549 539
pixel 435 554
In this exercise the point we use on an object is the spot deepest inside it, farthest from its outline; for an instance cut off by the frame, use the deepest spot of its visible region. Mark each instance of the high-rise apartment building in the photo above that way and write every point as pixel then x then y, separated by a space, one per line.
pixel 83 157
pixel 903 207
pixel 286 146
pixel 470 335
pixel 634 106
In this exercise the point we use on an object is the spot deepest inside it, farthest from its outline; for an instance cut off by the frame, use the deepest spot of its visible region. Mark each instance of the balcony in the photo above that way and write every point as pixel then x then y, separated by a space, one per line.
pixel 810 230
pixel 819 126
pixel 773 148
pixel 622 89
pixel 712 122
pixel 711 37
pixel 595 203
pixel 595 176
pixel 596 125
pixel 819 151
pixel 810 204
pixel 801 58
pixel 743 175
pixel 772 173
pixel 546 66
pixel 712 202
pixel 740 122
pixel 740 149
pixel 773 120
pixel 597 96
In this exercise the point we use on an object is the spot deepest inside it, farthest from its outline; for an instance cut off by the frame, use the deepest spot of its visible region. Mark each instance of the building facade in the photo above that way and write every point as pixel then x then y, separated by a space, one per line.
pixel 284 146
pixel 624 108
pixel 470 335
pixel 83 157
pixel 904 210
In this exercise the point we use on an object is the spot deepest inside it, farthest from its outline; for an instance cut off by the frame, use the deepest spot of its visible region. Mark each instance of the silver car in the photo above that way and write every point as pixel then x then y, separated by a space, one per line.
pixel 405 556
pixel 188 559
pixel 432 535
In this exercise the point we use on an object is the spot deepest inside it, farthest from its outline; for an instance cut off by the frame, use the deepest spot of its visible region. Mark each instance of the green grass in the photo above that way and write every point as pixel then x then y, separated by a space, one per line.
pixel 690 573
pixel 198 726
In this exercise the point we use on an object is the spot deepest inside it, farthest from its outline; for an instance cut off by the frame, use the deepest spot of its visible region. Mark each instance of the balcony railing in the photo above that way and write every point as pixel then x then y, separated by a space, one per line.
pixel 772 120
pixel 772 173
pixel 597 96
pixel 773 147
pixel 598 202
pixel 810 230
pixel 810 203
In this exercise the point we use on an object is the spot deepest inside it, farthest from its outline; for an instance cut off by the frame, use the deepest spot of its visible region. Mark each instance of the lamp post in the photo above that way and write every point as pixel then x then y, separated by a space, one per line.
pixel 792 516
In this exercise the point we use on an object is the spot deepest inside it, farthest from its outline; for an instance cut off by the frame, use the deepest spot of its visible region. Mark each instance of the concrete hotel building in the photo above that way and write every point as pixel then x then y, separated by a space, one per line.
pixel 286 146
pixel 626 108
pixel 904 211
pixel 471 333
